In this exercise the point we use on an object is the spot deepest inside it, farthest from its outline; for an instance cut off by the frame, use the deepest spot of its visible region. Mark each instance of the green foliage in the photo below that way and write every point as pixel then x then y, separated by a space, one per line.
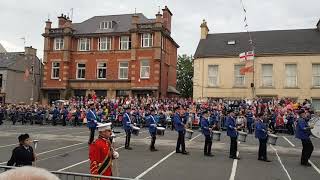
pixel 185 75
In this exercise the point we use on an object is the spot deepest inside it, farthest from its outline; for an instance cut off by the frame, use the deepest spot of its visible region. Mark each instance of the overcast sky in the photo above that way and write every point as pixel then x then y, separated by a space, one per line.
pixel 26 18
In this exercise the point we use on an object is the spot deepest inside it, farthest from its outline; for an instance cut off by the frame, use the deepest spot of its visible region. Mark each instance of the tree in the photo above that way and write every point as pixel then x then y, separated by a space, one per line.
pixel 185 75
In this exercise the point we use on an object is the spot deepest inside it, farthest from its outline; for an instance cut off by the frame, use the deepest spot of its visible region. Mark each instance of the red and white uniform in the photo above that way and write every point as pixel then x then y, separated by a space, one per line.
pixel 100 156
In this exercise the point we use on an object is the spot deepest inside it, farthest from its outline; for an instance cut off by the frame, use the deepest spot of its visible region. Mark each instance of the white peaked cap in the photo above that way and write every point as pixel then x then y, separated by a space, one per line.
pixel 104 126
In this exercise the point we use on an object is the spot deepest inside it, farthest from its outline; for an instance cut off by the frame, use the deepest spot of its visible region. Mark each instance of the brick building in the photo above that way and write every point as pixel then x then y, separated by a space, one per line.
pixel 114 55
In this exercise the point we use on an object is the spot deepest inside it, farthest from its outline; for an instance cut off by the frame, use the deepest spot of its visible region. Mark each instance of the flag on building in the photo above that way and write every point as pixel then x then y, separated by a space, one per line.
pixel 245 70
pixel 246 56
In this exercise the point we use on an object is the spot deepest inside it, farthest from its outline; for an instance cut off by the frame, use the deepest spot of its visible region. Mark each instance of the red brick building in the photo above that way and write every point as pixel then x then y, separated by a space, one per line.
pixel 115 55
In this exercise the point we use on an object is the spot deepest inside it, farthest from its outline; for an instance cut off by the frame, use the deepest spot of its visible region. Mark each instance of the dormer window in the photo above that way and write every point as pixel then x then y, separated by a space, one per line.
pixel 106 25
pixel 231 42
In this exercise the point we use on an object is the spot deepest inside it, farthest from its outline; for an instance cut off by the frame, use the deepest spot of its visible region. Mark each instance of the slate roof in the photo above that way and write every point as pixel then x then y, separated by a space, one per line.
pixel 123 24
pixel 298 41
pixel 2 49
pixel 9 59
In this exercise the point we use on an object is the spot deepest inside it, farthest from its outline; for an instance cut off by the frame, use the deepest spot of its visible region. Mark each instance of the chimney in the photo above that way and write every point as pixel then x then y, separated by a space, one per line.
pixel 158 17
pixel 48 24
pixel 62 20
pixel 167 18
pixel 30 51
pixel 68 23
pixel 204 30
pixel 318 25
pixel 135 19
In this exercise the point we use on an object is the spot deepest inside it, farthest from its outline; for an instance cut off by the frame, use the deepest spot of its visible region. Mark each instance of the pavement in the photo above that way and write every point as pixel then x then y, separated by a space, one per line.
pixel 65 149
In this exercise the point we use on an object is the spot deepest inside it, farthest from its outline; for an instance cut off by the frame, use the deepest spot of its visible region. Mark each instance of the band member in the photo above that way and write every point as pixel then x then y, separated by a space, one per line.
pixel 127 126
pixel 22 155
pixel 233 134
pixel 152 129
pixel 303 133
pixel 207 132
pixel 249 117
pixel 261 133
pixel 92 121
pixel 101 152
pixel 180 128
pixel 290 118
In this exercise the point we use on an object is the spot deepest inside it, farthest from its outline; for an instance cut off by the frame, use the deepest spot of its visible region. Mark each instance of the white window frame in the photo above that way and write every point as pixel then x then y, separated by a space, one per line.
pixel 144 66
pixel 101 68
pixel 124 44
pixel 120 68
pixel 107 41
pixel 81 68
pixel 86 42
pixel 238 75
pixel 288 76
pixel 146 40
pixel 106 25
pixel 315 75
pixel 263 76
pixel 213 76
pixel 53 68
pixel 58 44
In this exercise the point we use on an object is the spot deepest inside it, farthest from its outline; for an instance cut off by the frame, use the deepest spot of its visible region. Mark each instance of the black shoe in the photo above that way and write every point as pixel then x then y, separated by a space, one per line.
pixel 178 152
pixel 306 164
pixel 209 155
pixel 266 160
pixel 153 149
pixel 185 153
pixel 235 158
pixel 129 148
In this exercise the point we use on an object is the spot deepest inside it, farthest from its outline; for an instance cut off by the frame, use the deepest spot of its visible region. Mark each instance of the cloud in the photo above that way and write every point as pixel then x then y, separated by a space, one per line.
pixel 10 47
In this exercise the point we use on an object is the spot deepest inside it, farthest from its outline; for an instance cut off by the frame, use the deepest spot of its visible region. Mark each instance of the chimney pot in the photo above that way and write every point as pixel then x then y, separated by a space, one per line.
pixel 204 29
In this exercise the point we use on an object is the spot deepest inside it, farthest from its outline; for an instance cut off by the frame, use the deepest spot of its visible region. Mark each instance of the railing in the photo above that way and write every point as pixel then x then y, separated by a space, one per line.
pixel 72 175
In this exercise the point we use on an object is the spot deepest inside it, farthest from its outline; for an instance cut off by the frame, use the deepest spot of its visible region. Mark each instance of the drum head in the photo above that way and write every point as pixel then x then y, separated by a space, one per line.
pixel 316 130
pixel 161 128
pixel 243 133
pixel 135 128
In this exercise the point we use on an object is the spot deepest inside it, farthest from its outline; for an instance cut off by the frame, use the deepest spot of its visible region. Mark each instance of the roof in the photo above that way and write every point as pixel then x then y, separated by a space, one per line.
pixel 172 89
pixel 298 41
pixel 2 49
pixel 123 23
pixel 8 59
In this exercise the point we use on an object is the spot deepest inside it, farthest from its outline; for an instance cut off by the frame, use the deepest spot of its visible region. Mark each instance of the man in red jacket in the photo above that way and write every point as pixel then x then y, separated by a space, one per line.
pixel 101 153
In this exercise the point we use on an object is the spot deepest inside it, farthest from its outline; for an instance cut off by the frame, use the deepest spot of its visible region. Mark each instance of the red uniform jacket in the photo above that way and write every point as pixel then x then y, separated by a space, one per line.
pixel 100 156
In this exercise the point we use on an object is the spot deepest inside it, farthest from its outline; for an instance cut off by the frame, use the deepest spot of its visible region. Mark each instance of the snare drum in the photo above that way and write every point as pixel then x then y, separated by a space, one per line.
pixel 160 131
pixel 189 133
pixel 135 130
pixel 272 139
pixel 242 136
pixel 216 135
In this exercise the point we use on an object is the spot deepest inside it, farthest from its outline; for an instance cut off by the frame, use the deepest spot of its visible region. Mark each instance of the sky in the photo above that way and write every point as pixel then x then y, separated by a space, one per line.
pixel 26 18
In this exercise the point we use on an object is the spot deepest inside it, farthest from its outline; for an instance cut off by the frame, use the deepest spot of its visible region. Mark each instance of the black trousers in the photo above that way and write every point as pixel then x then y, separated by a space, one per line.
pixel 307 149
pixel 91 137
pixel 153 140
pixel 75 121
pixel 290 128
pixel 54 121
pixel 271 126
pixel 249 125
pixel 128 136
pixel 64 121
pixel 262 149
pixel 207 144
pixel 1 121
pixel 181 142
pixel 233 146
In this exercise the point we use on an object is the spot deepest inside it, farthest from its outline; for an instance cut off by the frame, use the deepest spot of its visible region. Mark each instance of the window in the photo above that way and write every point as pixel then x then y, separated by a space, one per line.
pixel 102 70
pixel 267 70
pixel 58 44
pixel 316 75
pixel 104 43
pixel 84 44
pixel 231 42
pixel 239 79
pixel 122 93
pixel 123 70
pixel 145 69
pixel 316 104
pixel 106 25
pixel 81 71
pixel 125 43
pixel 146 40
pixel 291 75
pixel 213 75
pixel 55 70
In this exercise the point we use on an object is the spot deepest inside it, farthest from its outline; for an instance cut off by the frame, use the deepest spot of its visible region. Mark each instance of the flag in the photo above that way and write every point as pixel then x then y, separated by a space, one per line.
pixel 26 74
pixel 245 56
pixel 245 70
pixel 250 55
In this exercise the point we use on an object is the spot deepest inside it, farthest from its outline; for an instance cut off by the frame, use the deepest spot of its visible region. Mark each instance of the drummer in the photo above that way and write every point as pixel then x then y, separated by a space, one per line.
pixel 261 133
pixel 152 129
pixel 207 132
pixel 303 133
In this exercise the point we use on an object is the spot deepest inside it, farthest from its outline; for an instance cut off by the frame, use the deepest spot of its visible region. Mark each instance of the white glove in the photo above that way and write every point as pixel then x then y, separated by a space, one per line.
pixel 115 155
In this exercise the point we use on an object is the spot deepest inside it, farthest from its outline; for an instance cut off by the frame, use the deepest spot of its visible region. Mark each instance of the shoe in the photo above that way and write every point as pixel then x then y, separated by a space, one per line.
pixel 306 164
pixel 266 160
pixel 185 153
pixel 129 148
pixel 152 150
pixel 236 158
pixel 178 152
pixel 209 155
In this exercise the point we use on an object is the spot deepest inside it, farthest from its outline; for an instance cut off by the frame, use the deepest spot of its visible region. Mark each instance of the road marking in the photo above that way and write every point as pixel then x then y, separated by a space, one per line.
pixel 288 141
pixel 62 153
pixel 234 167
pixel 9 145
pixel 159 162
pixel 285 170
pixel 77 164
pixel 315 167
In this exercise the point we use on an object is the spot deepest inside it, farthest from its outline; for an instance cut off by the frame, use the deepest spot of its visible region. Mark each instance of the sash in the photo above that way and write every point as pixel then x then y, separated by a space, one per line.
pixel 93 114
pixel 105 165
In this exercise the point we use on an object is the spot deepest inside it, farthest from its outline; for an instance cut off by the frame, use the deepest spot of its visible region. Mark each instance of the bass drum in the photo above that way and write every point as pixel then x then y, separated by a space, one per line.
pixel 315 122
